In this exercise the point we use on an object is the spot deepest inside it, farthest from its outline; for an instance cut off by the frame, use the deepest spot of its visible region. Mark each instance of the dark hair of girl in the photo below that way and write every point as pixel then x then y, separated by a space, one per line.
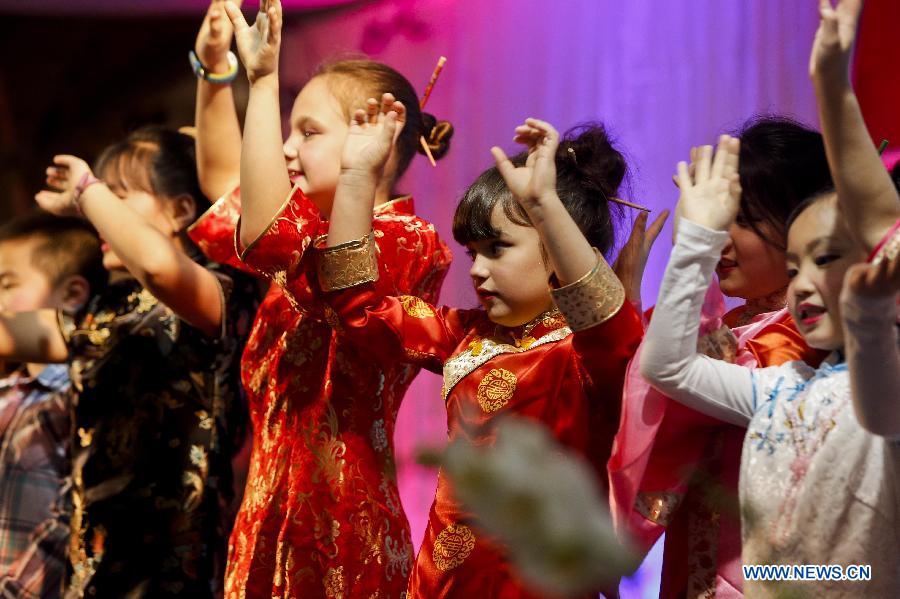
pixel 782 162
pixel 589 171
pixel 155 160
pixel 353 81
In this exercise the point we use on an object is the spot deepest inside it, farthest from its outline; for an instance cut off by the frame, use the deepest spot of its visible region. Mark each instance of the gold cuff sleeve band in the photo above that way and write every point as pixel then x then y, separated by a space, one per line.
pixel 348 264
pixel 591 300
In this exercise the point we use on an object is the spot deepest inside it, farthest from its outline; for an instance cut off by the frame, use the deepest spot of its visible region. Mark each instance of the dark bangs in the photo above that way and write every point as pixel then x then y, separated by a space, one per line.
pixel 154 160
pixel 472 220
pixel 128 166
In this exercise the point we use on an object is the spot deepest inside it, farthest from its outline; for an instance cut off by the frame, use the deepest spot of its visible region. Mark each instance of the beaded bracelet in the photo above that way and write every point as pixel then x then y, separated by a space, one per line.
pixel 86 181
pixel 217 78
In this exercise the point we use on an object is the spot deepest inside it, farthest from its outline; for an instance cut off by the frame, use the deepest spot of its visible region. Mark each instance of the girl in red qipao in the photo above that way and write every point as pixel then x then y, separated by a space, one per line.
pixel 676 469
pixel 557 356
pixel 321 515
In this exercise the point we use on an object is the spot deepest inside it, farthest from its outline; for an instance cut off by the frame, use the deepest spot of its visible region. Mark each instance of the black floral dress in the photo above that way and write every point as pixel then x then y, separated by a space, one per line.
pixel 157 416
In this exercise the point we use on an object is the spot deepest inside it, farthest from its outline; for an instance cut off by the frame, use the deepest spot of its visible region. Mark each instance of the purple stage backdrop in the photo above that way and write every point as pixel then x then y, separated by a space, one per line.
pixel 663 75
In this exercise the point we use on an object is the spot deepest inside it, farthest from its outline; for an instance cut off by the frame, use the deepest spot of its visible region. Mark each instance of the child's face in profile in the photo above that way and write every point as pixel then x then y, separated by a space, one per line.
pixel 509 273
pixel 23 286
pixel 313 148
pixel 750 267
pixel 820 250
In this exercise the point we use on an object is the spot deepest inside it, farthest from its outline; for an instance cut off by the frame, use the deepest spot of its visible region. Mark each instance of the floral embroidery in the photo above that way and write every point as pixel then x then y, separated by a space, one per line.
pixel 334 583
pixel 315 476
pixel 155 416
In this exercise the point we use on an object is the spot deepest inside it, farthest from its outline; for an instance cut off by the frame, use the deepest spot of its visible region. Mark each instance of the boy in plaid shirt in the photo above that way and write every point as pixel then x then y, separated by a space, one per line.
pixel 45 262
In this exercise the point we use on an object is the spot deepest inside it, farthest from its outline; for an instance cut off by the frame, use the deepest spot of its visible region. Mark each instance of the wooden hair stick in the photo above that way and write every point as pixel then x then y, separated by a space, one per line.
pixel 434 77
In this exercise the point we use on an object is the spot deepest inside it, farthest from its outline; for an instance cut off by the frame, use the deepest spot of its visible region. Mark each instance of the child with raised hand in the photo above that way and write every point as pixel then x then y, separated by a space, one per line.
pixel 675 469
pixel 218 129
pixel 321 515
pixel 53 263
pixel 868 199
pixel 815 487
pixel 157 408
pixel 557 356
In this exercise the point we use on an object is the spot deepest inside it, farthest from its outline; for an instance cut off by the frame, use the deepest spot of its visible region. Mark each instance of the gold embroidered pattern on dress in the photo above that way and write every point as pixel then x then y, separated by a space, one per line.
pixel 591 300
pixel 85 437
pixel 414 354
pixel 657 507
pixel 334 583
pixel 496 389
pixel 415 307
pixel 482 350
pixel 452 546
pixel 348 264
pixel 227 208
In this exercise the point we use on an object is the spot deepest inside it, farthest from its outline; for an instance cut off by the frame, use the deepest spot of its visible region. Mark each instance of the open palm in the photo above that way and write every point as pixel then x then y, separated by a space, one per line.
pixel 258 44
pixel 371 136
pixel 214 38
pixel 537 178
pixel 835 36
pixel 711 196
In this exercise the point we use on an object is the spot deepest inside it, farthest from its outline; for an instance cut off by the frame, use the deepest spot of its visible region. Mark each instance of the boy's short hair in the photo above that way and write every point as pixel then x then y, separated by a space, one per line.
pixel 69 246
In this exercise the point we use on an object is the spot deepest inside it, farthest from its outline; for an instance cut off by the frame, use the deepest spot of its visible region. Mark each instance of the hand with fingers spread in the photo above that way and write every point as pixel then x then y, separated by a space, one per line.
pixel 632 259
pixel 872 280
pixel 372 135
pixel 711 197
pixel 533 185
pixel 64 177
pixel 258 44
pixel 834 39
pixel 214 38
pixel 536 180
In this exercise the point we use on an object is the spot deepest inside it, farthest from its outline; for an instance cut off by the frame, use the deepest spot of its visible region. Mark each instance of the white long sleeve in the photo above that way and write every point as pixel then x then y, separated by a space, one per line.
pixel 873 360
pixel 669 358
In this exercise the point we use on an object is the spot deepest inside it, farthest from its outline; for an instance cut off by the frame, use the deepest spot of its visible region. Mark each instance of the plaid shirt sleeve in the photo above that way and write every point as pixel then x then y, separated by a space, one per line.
pixel 34 487
pixel 40 570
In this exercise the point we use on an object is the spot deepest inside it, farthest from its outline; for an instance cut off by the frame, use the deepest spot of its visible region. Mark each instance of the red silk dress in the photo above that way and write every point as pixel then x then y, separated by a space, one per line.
pixel 676 470
pixel 570 381
pixel 321 514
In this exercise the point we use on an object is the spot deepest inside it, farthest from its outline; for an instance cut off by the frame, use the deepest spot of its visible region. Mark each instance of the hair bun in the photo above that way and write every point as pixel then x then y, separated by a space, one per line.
pixel 437 135
pixel 588 153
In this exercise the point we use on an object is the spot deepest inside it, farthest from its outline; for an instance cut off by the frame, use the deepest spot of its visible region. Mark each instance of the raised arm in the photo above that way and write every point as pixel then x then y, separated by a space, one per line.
pixel 152 257
pixel 32 337
pixel 218 130
pixel 264 179
pixel 369 144
pixel 867 196
pixel 669 359
pixel 534 186
pixel 869 311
